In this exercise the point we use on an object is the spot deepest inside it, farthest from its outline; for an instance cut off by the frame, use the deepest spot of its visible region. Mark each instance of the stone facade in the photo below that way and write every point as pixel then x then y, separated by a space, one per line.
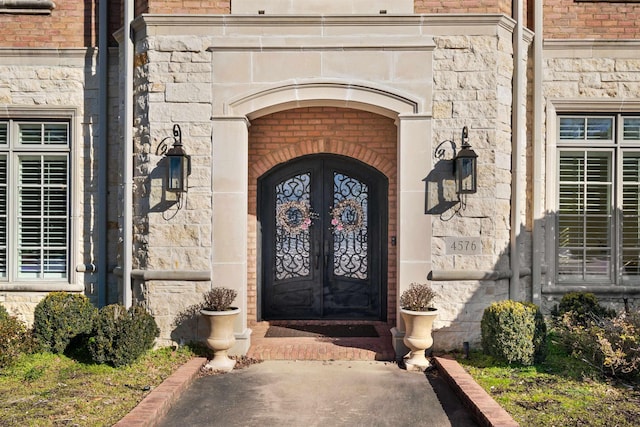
pixel 172 87
pixel 245 80
pixel 58 83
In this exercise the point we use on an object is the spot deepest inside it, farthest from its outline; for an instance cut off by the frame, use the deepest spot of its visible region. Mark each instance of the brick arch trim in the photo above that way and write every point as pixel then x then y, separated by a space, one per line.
pixel 323 145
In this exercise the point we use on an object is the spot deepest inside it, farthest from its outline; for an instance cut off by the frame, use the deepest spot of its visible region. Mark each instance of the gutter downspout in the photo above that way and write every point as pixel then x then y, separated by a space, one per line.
pixel 102 153
pixel 538 112
pixel 127 218
pixel 518 122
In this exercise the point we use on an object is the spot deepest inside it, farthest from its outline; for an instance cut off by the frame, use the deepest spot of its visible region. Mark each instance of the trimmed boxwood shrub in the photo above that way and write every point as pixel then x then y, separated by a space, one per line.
pixel 60 318
pixel 583 307
pixel 514 332
pixel 3 312
pixel 120 336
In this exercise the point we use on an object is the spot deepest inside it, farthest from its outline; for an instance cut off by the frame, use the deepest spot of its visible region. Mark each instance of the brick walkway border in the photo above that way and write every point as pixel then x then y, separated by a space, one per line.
pixel 485 410
pixel 157 403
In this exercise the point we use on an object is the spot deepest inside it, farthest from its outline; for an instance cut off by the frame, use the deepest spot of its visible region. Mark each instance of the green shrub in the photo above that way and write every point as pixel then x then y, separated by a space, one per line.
pixel 539 334
pixel 514 332
pixel 612 344
pixel 3 312
pixel 61 317
pixel 582 306
pixel 120 336
pixel 14 339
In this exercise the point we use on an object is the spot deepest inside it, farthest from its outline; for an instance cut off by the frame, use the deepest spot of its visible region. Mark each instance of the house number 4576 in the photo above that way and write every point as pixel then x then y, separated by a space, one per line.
pixel 464 245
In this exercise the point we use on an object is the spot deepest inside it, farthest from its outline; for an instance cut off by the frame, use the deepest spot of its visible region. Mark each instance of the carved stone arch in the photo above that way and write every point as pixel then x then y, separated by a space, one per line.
pixel 367 97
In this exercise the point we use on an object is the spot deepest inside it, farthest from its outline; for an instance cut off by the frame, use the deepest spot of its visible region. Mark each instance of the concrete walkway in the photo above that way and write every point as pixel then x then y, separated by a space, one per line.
pixel 318 393
pixel 353 387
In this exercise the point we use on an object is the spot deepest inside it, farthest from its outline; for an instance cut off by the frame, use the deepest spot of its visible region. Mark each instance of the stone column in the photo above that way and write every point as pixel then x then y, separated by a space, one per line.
pixel 414 225
pixel 229 184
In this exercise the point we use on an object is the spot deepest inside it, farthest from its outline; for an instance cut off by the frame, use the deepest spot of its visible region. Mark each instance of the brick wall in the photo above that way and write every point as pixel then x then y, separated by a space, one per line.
pixel 591 20
pixel 464 6
pixel 282 136
pixel 70 24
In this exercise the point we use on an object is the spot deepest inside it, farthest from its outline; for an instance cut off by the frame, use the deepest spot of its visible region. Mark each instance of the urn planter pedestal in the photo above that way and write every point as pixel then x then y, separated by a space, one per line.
pixel 221 338
pixel 418 338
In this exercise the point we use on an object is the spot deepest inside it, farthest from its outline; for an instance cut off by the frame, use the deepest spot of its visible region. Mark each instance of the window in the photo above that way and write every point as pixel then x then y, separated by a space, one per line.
pixel 598 218
pixel 34 200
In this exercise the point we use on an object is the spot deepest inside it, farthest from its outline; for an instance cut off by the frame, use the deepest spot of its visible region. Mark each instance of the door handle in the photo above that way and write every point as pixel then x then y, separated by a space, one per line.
pixel 317 251
pixel 326 252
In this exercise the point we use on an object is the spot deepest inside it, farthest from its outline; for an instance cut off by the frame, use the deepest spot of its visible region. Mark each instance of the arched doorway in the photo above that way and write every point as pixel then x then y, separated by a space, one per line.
pixel 323 242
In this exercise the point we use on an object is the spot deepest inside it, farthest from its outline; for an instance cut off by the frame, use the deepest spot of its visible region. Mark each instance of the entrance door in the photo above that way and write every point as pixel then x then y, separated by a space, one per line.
pixel 324 220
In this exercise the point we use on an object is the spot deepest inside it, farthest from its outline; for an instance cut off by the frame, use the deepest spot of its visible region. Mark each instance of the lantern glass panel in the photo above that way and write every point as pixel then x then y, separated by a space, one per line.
pixel 176 173
pixel 466 168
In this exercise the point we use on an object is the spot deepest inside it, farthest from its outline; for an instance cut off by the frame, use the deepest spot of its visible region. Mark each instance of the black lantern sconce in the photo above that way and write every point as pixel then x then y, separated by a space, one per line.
pixel 463 164
pixel 466 166
pixel 178 164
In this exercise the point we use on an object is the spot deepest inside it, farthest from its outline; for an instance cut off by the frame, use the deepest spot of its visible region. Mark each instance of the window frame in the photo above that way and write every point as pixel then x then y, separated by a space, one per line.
pixel 13 150
pixel 618 146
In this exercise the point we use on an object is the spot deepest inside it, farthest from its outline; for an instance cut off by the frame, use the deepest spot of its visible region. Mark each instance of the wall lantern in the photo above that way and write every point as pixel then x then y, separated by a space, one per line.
pixel 466 166
pixel 178 164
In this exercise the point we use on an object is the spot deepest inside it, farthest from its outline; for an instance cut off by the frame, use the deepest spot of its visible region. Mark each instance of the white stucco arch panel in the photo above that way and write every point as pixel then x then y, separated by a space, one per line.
pixel 377 100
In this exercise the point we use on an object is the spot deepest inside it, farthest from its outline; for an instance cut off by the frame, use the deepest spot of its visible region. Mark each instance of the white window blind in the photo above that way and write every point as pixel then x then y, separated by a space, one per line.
pixel 43 133
pixel 42 216
pixel 584 215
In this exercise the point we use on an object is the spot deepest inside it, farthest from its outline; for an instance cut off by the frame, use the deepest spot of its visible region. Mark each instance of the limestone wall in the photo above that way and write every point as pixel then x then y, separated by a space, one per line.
pixel 472 87
pixel 61 83
pixel 456 76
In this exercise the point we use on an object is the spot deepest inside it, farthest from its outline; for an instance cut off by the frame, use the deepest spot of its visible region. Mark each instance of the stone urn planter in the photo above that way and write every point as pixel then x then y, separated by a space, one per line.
pixel 215 308
pixel 221 337
pixel 418 337
pixel 418 317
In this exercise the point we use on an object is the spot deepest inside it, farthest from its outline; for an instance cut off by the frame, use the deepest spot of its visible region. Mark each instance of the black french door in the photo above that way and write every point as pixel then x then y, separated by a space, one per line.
pixel 323 225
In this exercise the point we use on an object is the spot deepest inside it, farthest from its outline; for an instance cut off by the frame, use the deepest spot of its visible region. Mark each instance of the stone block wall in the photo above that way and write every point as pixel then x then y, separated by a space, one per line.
pixel 172 86
pixel 472 87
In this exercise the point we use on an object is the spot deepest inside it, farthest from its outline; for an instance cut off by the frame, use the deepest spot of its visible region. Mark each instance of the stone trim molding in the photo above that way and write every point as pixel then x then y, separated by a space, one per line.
pixel 215 25
pixel 172 275
pixel 27 6
pixel 590 48
pixel 453 275
pixel 327 94
pixel 68 57
pixel 613 290
pixel 321 7
pixel 614 105
pixel 41 287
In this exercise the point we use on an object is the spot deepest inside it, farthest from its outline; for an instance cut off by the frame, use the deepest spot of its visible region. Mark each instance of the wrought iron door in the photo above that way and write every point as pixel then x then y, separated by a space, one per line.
pixel 323 252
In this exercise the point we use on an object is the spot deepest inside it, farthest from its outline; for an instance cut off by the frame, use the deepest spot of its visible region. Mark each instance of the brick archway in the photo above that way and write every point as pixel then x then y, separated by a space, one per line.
pixel 285 135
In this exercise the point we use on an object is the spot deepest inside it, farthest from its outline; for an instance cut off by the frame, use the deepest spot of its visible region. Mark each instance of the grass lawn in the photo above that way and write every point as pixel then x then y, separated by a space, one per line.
pixel 560 392
pixel 55 390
